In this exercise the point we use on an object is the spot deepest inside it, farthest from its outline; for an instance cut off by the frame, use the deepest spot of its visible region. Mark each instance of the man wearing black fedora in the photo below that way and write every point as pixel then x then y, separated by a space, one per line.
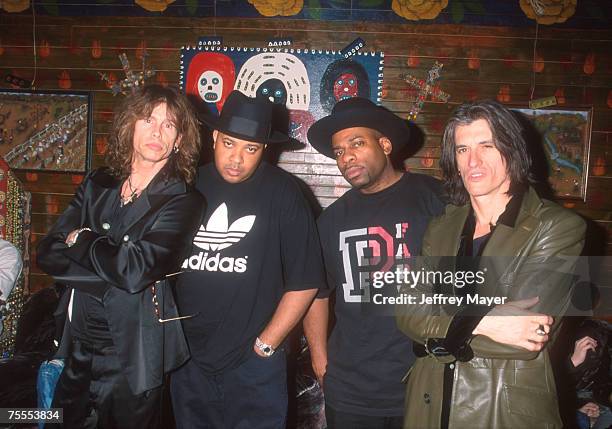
pixel 373 229
pixel 254 268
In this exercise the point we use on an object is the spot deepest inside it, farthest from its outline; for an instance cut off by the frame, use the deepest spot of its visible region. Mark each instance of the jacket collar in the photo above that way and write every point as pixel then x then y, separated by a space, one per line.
pixel 516 225
pixel 519 215
pixel 162 183
pixel 162 188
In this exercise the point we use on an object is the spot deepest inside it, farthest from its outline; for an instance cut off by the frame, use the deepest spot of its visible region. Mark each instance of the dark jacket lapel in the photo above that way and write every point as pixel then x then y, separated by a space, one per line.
pixel 161 189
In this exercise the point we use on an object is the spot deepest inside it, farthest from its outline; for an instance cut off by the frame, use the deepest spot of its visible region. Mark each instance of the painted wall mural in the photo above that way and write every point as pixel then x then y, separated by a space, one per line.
pixel 44 130
pixel 567 13
pixel 308 82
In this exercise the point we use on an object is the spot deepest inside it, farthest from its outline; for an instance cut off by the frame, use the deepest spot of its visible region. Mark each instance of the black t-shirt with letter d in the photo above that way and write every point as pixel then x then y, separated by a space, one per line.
pixel 363 236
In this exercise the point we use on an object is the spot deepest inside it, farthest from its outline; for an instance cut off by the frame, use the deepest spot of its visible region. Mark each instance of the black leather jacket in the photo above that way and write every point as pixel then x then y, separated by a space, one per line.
pixel 119 263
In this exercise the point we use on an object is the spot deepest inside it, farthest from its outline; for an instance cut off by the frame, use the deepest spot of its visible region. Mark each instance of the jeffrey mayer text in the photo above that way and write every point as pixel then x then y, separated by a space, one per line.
pixel 438 299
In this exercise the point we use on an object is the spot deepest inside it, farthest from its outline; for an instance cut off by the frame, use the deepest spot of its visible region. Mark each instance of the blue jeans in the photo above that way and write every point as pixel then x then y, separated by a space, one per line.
pixel 251 396
pixel 48 374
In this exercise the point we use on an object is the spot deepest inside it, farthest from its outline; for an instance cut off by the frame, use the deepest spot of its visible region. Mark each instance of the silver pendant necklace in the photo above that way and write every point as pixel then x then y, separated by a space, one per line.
pixel 133 193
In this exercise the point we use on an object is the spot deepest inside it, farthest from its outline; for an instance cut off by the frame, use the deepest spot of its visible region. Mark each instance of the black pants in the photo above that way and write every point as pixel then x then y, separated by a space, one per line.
pixel 340 420
pixel 94 393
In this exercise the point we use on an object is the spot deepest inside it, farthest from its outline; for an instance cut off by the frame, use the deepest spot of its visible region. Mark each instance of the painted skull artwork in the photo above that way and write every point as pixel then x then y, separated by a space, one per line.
pixel 345 78
pixel 273 90
pixel 210 86
pixel 304 84
pixel 345 86
pixel 278 76
pixel 210 79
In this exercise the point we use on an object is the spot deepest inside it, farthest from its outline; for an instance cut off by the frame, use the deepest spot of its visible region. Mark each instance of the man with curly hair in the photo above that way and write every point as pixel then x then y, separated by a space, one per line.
pixel 125 230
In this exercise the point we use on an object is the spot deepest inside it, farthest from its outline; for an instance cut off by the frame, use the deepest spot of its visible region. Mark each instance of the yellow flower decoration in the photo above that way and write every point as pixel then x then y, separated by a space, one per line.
pixel 14 6
pixel 548 12
pixel 154 5
pixel 278 7
pixel 416 10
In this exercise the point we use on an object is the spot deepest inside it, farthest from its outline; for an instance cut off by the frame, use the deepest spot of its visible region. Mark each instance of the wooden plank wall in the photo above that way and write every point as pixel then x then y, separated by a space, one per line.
pixel 479 62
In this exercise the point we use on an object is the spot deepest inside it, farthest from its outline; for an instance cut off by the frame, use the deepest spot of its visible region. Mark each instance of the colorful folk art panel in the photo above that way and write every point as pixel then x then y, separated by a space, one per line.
pixel 308 82
pixel 44 130
pixel 15 211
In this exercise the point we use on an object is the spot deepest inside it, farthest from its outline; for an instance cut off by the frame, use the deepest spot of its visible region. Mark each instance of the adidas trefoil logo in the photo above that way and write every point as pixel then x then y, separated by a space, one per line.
pixel 218 235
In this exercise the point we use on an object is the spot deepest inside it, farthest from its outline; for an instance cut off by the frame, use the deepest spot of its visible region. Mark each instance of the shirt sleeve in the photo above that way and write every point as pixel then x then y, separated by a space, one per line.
pixel 301 251
pixel 10 268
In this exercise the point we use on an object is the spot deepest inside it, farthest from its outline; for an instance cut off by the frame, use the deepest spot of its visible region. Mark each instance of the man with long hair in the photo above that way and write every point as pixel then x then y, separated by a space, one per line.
pixel 482 360
pixel 122 234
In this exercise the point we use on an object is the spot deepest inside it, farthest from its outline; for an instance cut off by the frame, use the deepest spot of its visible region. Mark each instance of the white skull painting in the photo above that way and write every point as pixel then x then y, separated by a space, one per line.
pixel 210 86
pixel 280 77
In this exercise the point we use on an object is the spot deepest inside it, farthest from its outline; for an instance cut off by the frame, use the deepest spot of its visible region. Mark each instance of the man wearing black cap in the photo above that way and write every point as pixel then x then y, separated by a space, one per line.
pixel 254 268
pixel 372 230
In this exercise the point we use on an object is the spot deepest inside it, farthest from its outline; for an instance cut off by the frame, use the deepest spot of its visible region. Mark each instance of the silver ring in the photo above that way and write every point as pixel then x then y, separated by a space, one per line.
pixel 540 331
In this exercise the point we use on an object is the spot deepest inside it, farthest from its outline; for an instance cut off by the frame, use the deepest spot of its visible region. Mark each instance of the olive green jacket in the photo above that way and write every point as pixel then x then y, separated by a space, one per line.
pixel 501 386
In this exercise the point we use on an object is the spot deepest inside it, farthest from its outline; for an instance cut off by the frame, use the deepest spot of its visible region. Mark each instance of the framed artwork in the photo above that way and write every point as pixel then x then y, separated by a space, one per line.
pixel 308 82
pixel 565 134
pixel 46 131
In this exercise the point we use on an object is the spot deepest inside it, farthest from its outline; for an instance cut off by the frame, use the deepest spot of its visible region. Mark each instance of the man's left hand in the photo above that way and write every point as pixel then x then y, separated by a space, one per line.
pixel 71 237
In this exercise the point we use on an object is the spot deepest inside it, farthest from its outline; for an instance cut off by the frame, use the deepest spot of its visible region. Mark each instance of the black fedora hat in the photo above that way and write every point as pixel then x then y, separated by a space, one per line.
pixel 358 112
pixel 246 118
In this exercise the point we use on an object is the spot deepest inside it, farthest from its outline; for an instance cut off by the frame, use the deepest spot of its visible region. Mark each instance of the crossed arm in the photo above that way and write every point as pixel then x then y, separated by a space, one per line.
pixel 542 287
pixel 95 262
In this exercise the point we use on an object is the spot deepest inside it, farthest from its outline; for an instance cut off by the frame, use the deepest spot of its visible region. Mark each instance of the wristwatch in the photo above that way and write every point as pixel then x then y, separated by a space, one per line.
pixel 266 349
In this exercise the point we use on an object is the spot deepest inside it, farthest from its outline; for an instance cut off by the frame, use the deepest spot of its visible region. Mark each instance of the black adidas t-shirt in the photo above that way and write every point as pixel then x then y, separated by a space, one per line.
pixel 362 234
pixel 257 240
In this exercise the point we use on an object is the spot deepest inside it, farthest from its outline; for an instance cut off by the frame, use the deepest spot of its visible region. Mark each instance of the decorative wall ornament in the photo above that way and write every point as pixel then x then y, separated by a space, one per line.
pixel 599 167
pixel 96 49
pixel 503 95
pixel 45 130
pixel 426 88
pixel 132 79
pixel 415 10
pixel 566 137
pixel 307 82
pixel 589 64
pixel 15 216
pixel 44 49
pixel 548 12
pixel 413 59
pixel 14 6
pixel 473 62
pixel 63 80
pixel 278 7
pixel 154 5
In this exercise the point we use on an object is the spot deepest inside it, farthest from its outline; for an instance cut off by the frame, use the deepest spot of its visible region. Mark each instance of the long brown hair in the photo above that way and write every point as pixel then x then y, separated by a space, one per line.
pixel 140 105
pixel 507 137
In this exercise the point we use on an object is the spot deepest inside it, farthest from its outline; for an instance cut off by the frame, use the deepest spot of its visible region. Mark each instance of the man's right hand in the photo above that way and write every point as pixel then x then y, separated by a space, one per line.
pixel 513 324
pixel 319 366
